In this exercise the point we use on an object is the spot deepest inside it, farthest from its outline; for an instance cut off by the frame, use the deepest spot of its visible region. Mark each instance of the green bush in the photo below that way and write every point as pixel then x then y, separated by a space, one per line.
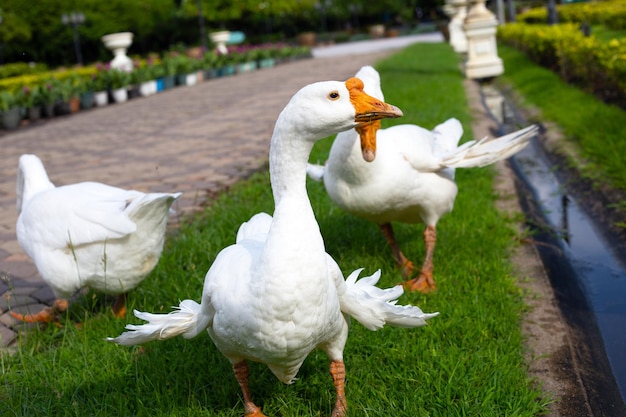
pixel 597 67
pixel 611 14
pixel 21 68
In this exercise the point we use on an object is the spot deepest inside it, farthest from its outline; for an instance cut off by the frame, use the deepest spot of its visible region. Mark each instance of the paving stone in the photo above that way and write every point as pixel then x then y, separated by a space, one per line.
pixel 8 301
pixel 44 294
pixel 6 336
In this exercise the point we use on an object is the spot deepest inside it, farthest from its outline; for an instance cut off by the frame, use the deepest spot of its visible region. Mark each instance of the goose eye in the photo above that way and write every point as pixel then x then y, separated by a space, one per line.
pixel 333 95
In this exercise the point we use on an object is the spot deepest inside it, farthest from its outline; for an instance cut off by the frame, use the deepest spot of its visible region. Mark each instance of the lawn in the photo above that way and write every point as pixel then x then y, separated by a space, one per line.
pixel 467 362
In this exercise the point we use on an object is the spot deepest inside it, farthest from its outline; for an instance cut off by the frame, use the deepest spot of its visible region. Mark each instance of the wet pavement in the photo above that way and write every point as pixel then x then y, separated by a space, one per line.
pixel 197 140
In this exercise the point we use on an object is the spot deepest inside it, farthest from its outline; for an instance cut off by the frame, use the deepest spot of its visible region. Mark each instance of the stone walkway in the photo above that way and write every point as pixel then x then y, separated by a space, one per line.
pixel 196 140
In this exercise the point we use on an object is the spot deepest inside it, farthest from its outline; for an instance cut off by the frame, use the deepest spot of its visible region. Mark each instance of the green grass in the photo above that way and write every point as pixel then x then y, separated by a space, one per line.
pixel 467 362
pixel 596 128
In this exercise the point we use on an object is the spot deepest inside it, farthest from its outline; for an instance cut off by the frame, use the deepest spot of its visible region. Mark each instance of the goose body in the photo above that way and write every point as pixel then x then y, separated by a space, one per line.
pixel 275 295
pixel 88 234
pixel 411 179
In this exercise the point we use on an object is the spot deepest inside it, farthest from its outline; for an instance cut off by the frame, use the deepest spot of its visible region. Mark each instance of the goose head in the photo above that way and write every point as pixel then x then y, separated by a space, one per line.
pixel 325 108
pixel 367 131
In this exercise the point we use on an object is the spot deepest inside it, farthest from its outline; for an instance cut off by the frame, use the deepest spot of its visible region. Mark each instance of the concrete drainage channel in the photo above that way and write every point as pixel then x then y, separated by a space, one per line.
pixel 587 274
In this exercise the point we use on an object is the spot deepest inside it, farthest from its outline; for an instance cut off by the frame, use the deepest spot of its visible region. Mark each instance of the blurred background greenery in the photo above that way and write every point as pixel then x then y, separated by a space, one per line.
pixel 33 31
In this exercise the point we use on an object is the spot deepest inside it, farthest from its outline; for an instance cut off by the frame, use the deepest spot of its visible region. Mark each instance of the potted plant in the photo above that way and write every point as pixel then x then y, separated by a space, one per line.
pixel 32 102
pixel 265 56
pixel 226 64
pixel 86 93
pixel 169 71
pixel 143 74
pixel 184 70
pixel 11 112
pixel 48 96
pixel 208 63
pixel 119 81
pixel 244 59
pixel 101 85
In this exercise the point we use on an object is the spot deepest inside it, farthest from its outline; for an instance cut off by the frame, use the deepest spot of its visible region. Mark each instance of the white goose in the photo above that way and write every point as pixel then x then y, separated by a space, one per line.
pixel 410 178
pixel 275 295
pixel 87 235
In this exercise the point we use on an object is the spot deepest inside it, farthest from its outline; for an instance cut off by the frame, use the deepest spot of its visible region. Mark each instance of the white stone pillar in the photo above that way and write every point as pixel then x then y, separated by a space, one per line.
pixel 482 52
pixel 458 40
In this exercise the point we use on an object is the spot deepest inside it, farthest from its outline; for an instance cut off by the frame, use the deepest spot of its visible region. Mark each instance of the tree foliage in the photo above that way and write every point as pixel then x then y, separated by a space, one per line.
pixel 33 30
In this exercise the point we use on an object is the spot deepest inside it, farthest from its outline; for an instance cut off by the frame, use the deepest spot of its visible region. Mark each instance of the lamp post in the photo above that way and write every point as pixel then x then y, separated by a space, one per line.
pixel 75 19
pixel 203 37
pixel 1 57
pixel 322 6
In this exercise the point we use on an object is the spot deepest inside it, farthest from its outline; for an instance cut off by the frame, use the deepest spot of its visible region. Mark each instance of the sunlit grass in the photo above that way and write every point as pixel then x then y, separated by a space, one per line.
pixel 467 362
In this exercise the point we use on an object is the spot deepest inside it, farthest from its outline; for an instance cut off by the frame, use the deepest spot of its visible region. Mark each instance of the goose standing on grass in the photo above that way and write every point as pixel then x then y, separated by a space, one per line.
pixel 275 295
pixel 410 176
pixel 87 235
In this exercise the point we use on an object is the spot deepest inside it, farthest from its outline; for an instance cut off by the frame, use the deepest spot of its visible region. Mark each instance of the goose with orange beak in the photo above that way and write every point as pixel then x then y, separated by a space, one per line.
pixel 275 295
pixel 409 178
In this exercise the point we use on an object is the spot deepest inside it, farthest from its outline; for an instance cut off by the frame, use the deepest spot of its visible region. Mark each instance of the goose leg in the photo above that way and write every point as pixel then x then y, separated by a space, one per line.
pixel 401 260
pixel 46 315
pixel 242 373
pixel 119 308
pixel 338 372
pixel 425 282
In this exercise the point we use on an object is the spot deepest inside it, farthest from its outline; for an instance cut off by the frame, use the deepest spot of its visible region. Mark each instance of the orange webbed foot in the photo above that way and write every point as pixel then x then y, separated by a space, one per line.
pixel 46 315
pixel 407 268
pixel 424 284
pixel 119 308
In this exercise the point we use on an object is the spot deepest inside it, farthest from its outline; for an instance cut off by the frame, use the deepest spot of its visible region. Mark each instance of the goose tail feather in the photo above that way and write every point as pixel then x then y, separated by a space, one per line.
pixel 186 320
pixel 374 307
pixel 479 153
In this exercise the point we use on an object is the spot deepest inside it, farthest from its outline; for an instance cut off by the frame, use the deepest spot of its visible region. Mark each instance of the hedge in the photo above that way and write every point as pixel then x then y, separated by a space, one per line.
pixel 611 14
pixel 597 67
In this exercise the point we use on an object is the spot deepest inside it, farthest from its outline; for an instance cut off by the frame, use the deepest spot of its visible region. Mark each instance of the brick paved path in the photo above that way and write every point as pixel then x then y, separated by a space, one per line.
pixel 196 140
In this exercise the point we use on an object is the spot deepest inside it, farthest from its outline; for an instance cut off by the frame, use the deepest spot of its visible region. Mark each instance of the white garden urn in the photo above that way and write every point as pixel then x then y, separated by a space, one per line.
pixel 219 39
pixel 482 51
pixel 119 43
pixel 458 39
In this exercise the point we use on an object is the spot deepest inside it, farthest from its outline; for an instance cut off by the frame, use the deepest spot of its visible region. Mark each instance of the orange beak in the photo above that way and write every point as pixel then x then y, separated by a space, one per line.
pixel 369 111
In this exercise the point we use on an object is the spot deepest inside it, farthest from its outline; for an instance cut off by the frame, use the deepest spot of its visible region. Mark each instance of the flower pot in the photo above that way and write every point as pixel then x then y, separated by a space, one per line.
pixel 133 92
pixel 48 110
pixel 181 79
pixel 34 113
pixel 86 100
pixel 191 79
pixel 219 39
pixel 377 31
pixel 119 43
pixel 101 98
pixel 120 95
pixel 62 107
pixel 148 88
pixel 159 85
pixel 266 63
pixel 307 39
pixel 169 81
pixel 11 118
pixel 246 67
pixel 74 104
pixel 227 70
